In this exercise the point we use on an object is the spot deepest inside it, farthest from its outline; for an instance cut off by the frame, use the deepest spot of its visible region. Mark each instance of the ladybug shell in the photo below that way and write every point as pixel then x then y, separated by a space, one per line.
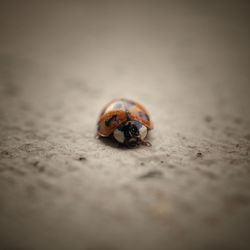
pixel 119 111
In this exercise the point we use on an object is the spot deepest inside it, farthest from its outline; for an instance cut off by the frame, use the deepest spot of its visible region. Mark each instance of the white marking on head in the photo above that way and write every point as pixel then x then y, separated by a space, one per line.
pixel 143 132
pixel 119 135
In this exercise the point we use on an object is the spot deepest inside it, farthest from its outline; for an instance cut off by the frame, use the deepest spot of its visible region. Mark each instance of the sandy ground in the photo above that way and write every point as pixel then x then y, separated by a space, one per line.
pixel 187 62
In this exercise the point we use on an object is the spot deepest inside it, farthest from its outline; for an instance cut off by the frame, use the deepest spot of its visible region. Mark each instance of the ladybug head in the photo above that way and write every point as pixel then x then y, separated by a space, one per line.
pixel 130 133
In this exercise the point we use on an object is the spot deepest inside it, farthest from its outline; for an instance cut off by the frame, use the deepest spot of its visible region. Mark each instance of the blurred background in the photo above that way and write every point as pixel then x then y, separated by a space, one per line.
pixel 187 62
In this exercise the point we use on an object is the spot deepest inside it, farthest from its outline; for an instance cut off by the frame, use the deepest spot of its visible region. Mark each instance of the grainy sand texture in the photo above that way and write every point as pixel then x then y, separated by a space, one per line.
pixel 187 62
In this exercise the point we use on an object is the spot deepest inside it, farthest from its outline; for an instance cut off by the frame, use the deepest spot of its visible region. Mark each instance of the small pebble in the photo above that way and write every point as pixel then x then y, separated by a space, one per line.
pixel 82 158
pixel 199 154
pixel 35 163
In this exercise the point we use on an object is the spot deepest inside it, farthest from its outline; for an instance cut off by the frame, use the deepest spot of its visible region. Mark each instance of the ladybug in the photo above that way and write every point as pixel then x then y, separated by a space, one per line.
pixel 126 121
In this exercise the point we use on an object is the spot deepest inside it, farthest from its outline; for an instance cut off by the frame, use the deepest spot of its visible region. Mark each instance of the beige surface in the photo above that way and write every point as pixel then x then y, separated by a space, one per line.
pixel 187 62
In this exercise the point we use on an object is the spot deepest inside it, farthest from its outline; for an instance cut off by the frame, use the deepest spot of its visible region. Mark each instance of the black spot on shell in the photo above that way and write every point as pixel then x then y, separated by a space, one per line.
pixel 129 104
pixel 143 115
pixel 111 120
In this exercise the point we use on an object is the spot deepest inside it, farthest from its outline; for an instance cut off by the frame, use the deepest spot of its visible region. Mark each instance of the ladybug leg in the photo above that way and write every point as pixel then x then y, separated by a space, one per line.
pixel 145 143
pixel 148 144
pixel 142 142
